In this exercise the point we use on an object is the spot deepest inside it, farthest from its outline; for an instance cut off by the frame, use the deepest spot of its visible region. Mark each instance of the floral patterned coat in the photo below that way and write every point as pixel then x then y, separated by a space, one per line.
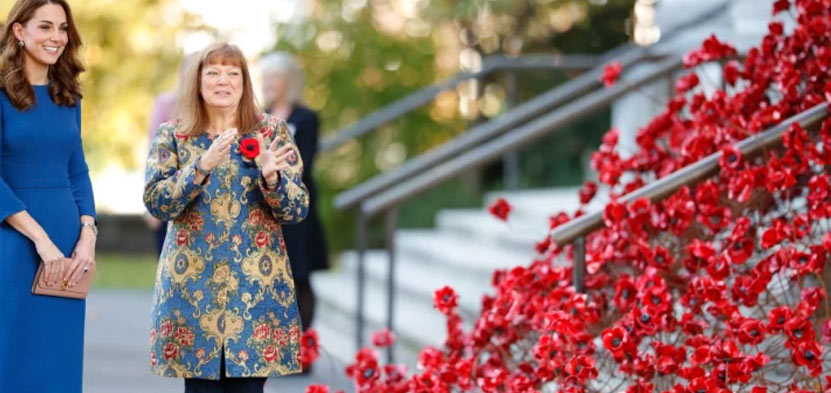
pixel 223 280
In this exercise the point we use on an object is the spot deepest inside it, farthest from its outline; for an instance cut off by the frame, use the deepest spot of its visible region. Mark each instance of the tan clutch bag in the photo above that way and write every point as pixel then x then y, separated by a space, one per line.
pixel 79 291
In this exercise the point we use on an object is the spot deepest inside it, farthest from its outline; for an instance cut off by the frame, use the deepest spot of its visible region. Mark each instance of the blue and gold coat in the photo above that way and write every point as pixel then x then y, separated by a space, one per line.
pixel 223 280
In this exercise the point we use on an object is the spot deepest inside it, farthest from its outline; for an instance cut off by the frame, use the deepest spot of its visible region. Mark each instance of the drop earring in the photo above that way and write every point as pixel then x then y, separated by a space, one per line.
pixel 20 43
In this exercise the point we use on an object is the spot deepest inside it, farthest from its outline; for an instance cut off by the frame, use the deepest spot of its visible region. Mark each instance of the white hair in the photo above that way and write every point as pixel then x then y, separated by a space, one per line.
pixel 284 63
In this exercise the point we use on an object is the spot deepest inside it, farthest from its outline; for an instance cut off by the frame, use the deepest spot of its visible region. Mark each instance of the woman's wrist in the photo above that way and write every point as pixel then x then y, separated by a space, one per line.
pixel 201 168
pixel 88 234
pixel 272 180
pixel 39 238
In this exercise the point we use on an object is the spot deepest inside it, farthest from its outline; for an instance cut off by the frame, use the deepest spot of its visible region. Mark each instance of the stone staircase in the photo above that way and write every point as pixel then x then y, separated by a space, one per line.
pixel 463 250
pixel 467 245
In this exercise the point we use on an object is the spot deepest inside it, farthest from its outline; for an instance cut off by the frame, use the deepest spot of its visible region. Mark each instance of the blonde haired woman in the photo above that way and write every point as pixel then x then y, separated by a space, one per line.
pixel 227 176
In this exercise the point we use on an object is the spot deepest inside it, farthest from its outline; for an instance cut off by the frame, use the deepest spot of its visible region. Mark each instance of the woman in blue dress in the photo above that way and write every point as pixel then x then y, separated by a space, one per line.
pixel 46 204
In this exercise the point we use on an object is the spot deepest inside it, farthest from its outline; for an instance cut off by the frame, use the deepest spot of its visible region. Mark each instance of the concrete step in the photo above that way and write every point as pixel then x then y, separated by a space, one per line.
pixel 337 341
pixel 463 252
pixel 479 225
pixel 416 324
pixel 535 206
pixel 458 253
pixel 412 278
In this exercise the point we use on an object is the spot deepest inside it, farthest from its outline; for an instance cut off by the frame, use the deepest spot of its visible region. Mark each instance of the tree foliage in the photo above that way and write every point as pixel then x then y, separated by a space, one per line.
pixel 360 55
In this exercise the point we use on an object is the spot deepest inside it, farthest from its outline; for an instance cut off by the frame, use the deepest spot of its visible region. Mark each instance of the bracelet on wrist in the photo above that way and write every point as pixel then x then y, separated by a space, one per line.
pixel 91 226
pixel 199 168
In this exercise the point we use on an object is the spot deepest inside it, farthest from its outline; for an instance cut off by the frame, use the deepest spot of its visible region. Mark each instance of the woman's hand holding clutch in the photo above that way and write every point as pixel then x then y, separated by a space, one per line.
pixel 51 257
pixel 83 259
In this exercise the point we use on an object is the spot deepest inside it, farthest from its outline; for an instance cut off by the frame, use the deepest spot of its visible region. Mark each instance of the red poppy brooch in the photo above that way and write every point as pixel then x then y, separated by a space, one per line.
pixel 250 149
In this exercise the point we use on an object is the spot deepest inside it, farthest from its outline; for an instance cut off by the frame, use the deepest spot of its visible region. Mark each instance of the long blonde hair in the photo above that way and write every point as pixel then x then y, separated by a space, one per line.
pixel 190 108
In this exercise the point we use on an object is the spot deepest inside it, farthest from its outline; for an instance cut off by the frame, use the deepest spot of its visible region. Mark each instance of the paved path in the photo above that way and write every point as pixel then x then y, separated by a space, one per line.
pixel 116 353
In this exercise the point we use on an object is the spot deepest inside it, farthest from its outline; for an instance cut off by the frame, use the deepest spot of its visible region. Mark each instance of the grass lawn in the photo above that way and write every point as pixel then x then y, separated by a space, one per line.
pixel 125 271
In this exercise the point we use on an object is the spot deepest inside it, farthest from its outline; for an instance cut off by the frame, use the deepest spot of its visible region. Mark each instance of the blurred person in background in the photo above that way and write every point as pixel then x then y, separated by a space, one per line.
pixel 163 111
pixel 283 83
pixel 47 209
pixel 228 176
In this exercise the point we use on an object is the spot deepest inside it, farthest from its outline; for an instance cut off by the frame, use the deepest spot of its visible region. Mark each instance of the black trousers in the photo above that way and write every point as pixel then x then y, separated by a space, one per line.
pixel 225 384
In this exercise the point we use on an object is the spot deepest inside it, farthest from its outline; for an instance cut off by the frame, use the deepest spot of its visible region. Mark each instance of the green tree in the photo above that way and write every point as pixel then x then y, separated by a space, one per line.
pixel 360 55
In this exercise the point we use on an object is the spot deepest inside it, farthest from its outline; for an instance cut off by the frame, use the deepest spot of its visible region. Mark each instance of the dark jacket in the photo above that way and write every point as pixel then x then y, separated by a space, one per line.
pixel 305 242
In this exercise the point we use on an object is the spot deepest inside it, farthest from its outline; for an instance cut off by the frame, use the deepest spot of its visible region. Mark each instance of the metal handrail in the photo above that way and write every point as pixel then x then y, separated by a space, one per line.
pixel 689 175
pixel 522 113
pixel 627 54
pixel 423 96
pixel 518 138
pixel 486 152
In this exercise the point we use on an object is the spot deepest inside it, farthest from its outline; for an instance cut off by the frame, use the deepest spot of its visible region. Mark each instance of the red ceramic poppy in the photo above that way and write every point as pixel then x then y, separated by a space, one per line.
pixel 250 148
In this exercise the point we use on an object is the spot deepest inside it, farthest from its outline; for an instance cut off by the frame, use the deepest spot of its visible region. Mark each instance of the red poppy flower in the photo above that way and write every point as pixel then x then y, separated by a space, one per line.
pixel 712 49
pixel 731 72
pixel 625 293
pixel 775 234
pixel 699 255
pixel 383 338
pixel 801 226
pixel 719 268
pixel 799 329
pixel 679 210
pixel 309 348
pixel 616 341
pixel 714 217
pixel 611 73
pixel 826 331
pixel 808 353
pixel 365 371
pixel 810 299
pixel 751 332
pixel 581 368
pixel 249 148
pixel 317 388
pixel 731 159
pixel 740 250
pixel 687 82
pixel 781 5
pixel 614 213
pixel 776 28
pixel 500 209
pixel 777 318
pixel 587 192
pixel 445 300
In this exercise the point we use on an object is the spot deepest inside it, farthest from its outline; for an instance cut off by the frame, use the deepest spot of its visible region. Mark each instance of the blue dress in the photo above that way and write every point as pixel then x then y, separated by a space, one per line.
pixel 42 171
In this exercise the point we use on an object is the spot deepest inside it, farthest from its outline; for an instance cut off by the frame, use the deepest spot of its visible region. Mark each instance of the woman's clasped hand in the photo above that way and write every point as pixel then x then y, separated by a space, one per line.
pixel 219 151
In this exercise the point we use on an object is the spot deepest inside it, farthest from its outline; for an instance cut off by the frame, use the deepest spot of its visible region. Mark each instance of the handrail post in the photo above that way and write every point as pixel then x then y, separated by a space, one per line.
pixel 579 265
pixel 391 227
pixel 360 248
pixel 510 162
